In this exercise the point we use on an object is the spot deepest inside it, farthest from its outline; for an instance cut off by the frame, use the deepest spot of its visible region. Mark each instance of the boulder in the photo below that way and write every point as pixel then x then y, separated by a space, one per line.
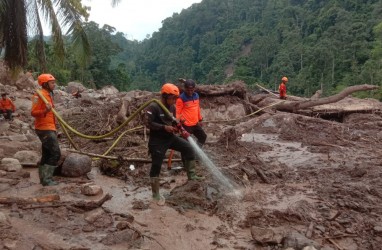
pixel 27 156
pixel 10 165
pixel 76 165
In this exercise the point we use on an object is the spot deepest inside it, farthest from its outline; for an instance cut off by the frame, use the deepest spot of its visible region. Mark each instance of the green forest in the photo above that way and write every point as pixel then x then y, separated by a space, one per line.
pixel 317 44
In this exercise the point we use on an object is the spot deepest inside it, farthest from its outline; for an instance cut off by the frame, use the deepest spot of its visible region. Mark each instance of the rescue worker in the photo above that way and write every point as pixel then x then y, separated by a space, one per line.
pixel 45 127
pixel 162 137
pixel 282 87
pixel 188 111
pixel 6 106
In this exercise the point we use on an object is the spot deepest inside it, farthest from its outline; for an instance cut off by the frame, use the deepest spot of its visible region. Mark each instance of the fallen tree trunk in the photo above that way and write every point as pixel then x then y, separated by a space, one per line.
pixel 234 89
pixel 23 201
pixel 294 106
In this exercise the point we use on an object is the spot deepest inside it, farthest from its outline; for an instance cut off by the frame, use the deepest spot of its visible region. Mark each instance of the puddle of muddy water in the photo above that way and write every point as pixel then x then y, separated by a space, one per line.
pixel 292 154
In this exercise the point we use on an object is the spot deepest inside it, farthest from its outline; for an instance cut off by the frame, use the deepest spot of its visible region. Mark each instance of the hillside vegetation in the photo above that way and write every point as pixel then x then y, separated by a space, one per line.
pixel 317 44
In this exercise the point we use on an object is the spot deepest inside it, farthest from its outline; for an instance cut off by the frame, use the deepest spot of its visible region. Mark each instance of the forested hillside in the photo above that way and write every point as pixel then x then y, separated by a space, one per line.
pixel 317 44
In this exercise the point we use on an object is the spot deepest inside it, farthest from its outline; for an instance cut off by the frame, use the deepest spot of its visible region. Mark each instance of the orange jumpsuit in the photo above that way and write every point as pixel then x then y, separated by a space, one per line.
pixel 282 90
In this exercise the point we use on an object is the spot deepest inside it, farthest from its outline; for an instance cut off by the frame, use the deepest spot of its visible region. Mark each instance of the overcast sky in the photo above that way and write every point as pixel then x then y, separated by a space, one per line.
pixel 135 18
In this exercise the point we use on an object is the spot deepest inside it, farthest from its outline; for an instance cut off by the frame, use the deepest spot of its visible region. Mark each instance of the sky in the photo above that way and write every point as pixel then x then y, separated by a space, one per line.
pixel 135 18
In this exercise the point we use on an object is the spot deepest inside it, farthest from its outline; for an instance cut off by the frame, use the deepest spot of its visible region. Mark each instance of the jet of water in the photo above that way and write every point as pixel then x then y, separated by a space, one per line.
pixel 212 168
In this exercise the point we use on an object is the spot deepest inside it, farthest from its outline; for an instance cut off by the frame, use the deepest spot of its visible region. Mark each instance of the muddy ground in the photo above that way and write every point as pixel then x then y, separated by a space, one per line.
pixel 294 181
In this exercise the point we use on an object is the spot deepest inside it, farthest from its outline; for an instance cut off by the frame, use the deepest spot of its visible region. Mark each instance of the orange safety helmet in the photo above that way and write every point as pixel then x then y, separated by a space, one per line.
pixel 169 89
pixel 284 79
pixel 43 78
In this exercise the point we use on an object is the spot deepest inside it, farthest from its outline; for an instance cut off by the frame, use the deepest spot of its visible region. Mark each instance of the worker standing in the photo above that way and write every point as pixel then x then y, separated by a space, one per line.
pixel 45 127
pixel 282 87
pixel 6 106
pixel 162 137
pixel 188 111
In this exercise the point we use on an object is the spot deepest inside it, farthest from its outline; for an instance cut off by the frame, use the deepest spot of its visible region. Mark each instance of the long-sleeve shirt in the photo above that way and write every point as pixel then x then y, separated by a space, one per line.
pixel 43 121
pixel 156 119
pixel 188 109
pixel 7 104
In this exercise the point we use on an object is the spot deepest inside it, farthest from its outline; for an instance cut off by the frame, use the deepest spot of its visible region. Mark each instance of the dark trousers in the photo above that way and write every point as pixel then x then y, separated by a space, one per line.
pixel 7 113
pixel 198 132
pixel 50 150
pixel 158 152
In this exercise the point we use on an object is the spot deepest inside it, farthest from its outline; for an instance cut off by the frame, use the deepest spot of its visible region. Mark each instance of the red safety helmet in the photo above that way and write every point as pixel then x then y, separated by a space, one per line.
pixel 169 89
pixel 284 79
pixel 43 78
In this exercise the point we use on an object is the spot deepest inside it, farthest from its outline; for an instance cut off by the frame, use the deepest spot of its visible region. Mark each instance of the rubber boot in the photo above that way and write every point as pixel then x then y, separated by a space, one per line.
pixel 47 175
pixel 191 174
pixel 155 190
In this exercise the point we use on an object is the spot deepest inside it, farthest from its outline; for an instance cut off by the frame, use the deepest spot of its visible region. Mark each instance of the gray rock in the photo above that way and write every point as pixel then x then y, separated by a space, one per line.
pixel 10 165
pixel 267 235
pixel 76 165
pixel 91 189
pixel 298 241
pixel 27 156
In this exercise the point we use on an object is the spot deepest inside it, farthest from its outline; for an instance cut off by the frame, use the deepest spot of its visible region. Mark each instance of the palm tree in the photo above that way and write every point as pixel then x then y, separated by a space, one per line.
pixel 18 18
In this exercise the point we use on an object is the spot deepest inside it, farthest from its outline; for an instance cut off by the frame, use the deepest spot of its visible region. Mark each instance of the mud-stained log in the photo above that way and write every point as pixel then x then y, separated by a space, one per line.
pixel 294 106
pixel 234 89
pixel 23 201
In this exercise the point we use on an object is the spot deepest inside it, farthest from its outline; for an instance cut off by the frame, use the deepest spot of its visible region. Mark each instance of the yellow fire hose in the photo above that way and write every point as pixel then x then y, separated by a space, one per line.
pixel 65 126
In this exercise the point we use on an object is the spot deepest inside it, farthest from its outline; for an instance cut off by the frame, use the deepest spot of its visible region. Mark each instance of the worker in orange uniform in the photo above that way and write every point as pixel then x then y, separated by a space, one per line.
pixel 45 127
pixel 6 106
pixel 282 87
pixel 163 129
pixel 188 111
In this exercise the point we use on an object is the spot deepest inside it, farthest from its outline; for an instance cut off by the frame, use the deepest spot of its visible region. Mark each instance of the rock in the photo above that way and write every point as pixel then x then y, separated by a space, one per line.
pixel 267 235
pixel 19 138
pixel 357 172
pixel 309 248
pixel 23 104
pixel 10 244
pixel 378 230
pixel 4 219
pixel 10 165
pixel 74 86
pixel 3 173
pixel 76 165
pixel 25 82
pixel 93 215
pixel 298 241
pixel 326 248
pixel 109 90
pixel 27 156
pixel 122 225
pixel 91 189
pixel 4 126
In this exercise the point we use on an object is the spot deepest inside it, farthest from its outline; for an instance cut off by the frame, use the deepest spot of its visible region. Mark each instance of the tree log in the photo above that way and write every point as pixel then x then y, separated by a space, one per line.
pixel 237 88
pixel 21 201
pixel 294 106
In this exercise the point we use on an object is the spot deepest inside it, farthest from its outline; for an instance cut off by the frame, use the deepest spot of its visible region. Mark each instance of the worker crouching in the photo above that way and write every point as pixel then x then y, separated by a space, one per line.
pixel 163 137
pixel 45 127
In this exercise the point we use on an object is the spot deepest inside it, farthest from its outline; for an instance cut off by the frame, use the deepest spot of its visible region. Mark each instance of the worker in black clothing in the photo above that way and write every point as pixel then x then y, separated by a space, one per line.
pixel 163 137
